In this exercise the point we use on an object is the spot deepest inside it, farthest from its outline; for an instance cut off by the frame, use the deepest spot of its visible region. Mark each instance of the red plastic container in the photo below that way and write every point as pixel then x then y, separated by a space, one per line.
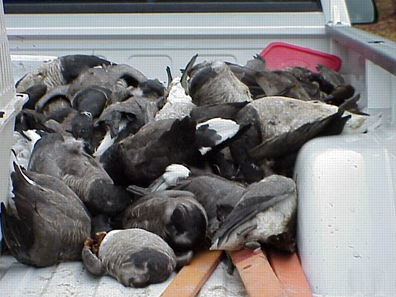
pixel 280 55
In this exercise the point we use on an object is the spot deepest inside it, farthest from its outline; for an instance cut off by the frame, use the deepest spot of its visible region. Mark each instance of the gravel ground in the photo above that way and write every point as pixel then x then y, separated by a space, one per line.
pixel 386 25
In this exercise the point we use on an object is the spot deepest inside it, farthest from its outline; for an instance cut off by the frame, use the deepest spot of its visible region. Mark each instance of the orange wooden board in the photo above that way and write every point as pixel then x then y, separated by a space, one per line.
pixel 256 273
pixel 192 277
pixel 287 268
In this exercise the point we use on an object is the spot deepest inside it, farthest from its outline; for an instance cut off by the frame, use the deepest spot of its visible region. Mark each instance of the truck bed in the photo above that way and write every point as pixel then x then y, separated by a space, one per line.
pixel 71 279
pixel 346 249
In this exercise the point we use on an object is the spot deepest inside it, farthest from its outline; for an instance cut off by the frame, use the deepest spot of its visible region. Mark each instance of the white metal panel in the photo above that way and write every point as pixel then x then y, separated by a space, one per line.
pixel 10 105
pixel 151 42
pixel 165 24
pixel 7 90
pixel 336 12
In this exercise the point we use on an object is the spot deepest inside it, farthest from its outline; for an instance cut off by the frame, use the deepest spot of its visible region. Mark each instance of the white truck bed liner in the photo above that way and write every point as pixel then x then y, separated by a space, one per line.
pixel 71 279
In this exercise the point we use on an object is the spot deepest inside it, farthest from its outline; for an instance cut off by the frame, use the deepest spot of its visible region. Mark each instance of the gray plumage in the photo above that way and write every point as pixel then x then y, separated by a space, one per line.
pixel 110 76
pixel 266 210
pixel 55 99
pixel 60 71
pixel 214 82
pixel 282 117
pixel 134 257
pixel 63 157
pixel 132 114
pixel 141 158
pixel 213 191
pixel 174 215
pixel 279 127
pixel 51 223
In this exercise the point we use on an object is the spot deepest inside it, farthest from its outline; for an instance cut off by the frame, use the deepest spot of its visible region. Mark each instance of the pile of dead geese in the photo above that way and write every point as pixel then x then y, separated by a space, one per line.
pixel 133 176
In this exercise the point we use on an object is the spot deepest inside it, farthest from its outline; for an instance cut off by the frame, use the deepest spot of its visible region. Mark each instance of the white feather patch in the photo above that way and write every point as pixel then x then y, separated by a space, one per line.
pixel 225 128
pixel 178 104
pixel 106 142
pixel 274 220
pixel 25 177
pixel 174 172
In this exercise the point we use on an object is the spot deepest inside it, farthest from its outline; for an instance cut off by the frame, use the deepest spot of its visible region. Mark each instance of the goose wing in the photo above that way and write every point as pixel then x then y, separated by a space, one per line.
pixel 257 198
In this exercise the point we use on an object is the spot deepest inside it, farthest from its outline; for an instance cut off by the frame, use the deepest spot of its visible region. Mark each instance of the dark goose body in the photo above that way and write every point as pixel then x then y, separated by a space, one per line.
pixel 176 216
pixel 63 157
pixel 60 71
pixel 280 126
pixel 119 78
pixel 212 192
pixel 52 221
pixel 213 82
pixel 265 214
pixel 141 158
pixel 136 111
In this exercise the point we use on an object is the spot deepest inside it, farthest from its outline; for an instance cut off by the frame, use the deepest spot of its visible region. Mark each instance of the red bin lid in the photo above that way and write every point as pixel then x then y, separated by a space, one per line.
pixel 280 55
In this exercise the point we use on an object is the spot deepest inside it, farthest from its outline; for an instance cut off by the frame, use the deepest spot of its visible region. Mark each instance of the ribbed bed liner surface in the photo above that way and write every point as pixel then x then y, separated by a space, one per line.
pixel 71 279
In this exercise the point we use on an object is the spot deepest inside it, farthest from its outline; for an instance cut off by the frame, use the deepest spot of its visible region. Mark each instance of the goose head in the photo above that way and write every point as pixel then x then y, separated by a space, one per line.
pixel 82 125
pixel 186 228
pixel 144 267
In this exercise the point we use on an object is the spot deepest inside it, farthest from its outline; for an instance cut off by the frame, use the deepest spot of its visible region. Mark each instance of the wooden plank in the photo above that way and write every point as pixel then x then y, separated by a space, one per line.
pixel 192 277
pixel 256 273
pixel 287 268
